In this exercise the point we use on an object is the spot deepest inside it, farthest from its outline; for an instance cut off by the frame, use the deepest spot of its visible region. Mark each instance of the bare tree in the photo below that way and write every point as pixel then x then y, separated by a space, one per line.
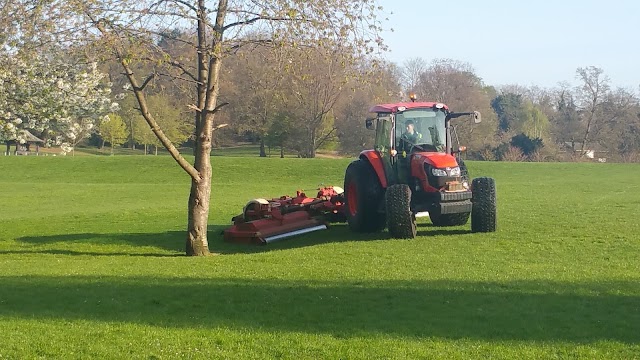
pixel 129 29
pixel 590 95
pixel 565 121
pixel 412 70
pixel 381 86
pixel 317 80
pixel 619 130
pixel 456 84
pixel 258 76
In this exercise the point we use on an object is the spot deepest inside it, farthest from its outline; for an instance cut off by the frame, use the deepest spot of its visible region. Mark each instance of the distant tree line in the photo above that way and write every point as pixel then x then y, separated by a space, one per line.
pixel 303 99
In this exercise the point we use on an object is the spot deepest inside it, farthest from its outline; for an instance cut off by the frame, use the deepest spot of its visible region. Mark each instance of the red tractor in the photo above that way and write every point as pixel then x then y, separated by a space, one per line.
pixel 414 169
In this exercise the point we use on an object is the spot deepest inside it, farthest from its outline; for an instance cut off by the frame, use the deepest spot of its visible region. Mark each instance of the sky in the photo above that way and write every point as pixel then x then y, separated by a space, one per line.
pixel 526 42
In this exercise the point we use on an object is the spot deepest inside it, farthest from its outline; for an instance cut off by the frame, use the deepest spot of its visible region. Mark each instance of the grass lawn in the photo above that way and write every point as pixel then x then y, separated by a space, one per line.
pixel 243 150
pixel 91 266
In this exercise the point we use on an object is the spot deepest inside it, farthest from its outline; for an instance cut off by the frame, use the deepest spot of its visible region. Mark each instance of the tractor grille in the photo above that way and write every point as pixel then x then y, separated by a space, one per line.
pixel 455 196
pixel 456 207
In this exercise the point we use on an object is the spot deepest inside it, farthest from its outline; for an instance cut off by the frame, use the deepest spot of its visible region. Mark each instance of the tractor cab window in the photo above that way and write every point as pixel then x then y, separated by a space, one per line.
pixel 383 133
pixel 421 130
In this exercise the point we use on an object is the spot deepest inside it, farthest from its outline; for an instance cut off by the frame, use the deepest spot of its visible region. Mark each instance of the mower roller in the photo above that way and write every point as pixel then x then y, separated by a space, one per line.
pixel 264 221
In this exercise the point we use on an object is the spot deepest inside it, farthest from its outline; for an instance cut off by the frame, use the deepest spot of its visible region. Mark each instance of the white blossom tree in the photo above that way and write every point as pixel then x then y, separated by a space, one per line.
pixel 61 100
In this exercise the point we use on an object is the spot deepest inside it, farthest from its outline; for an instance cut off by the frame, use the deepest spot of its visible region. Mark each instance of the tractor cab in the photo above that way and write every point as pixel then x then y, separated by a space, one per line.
pixel 414 136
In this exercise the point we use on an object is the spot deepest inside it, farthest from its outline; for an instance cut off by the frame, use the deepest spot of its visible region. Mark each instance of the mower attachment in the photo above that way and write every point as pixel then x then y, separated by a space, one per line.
pixel 264 221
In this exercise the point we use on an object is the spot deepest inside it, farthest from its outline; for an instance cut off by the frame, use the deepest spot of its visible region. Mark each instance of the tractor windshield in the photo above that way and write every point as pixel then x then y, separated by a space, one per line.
pixel 422 127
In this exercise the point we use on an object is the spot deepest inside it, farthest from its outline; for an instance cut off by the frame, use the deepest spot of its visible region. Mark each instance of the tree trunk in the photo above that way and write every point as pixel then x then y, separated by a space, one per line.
pixel 101 144
pixel 263 153
pixel 156 149
pixel 585 139
pixel 111 148
pixel 131 142
pixel 199 198
pixel 145 149
pixel 312 144
pixel 8 152
pixel 281 151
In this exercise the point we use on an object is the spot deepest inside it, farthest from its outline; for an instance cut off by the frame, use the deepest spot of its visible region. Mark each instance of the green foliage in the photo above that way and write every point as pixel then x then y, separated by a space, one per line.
pixel 527 145
pixel 508 107
pixel 114 131
pixel 96 269
pixel 535 123
pixel 280 130
pixel 174 123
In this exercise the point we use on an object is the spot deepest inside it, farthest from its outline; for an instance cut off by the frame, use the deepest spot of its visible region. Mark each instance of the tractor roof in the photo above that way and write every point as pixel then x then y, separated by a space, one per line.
pixel 391 108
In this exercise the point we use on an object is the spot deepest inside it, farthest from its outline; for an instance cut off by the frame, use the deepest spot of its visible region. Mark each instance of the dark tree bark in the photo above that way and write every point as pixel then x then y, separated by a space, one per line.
pixel 263 153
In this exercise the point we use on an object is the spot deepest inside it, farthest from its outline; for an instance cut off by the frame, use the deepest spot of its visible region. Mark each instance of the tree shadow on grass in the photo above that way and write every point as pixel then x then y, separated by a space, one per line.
pixel 174 241
pixel 170 241
pixel 336 233
pixel 518 310
pixel 86 253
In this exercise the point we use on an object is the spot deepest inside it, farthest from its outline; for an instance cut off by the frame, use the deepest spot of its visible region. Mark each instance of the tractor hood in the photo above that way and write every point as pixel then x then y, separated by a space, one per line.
pixel 435 159
pixel 422 162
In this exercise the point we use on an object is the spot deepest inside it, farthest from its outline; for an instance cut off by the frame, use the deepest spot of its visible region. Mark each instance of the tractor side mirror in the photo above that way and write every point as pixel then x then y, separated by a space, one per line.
pixel 370 124
pixel 477 118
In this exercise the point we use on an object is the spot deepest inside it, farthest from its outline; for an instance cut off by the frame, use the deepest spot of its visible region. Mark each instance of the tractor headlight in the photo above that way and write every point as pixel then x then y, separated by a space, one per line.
pixel 446 172
pixel 438 172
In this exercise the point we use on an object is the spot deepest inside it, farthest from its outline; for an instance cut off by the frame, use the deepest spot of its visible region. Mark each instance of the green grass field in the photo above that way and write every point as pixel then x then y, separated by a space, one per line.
pixel 91 266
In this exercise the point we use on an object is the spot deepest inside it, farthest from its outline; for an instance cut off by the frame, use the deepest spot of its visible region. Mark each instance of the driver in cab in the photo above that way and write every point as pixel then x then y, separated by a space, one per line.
pixel 410 137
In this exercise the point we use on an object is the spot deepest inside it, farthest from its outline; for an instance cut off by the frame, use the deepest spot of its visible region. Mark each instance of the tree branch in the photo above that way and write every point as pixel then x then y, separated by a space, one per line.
pixel 258 18
pixel 220 106
pixel 326 137
pixel 142 101
pixel 176 64
pixel 146 81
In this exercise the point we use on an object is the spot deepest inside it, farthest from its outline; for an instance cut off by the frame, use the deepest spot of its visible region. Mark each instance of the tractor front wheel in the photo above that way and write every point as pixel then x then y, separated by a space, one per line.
pixel 401 222
pixel 363 196
pixel 483 212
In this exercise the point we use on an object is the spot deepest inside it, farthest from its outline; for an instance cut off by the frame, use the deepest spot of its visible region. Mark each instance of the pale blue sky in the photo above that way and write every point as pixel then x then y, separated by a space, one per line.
pixel 528 42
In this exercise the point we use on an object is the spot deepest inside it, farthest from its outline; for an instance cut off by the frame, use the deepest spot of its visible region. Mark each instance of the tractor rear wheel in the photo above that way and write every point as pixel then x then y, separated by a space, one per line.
pixel 401 222
pixel 448 219
pixel 363 197
pixel 483 213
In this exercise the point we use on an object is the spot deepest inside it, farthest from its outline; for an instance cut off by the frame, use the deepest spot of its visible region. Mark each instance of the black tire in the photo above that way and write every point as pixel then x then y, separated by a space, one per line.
pixel 400 219
pixel 363 196
pixel 464 171
pixel 448 219
pixel 483 213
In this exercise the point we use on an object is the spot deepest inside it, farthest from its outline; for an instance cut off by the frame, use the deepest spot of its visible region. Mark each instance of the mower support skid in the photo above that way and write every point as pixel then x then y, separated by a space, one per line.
pixel 268 230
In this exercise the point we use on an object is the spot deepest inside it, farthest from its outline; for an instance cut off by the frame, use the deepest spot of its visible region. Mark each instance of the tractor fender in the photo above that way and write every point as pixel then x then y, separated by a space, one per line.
pixel 374 158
